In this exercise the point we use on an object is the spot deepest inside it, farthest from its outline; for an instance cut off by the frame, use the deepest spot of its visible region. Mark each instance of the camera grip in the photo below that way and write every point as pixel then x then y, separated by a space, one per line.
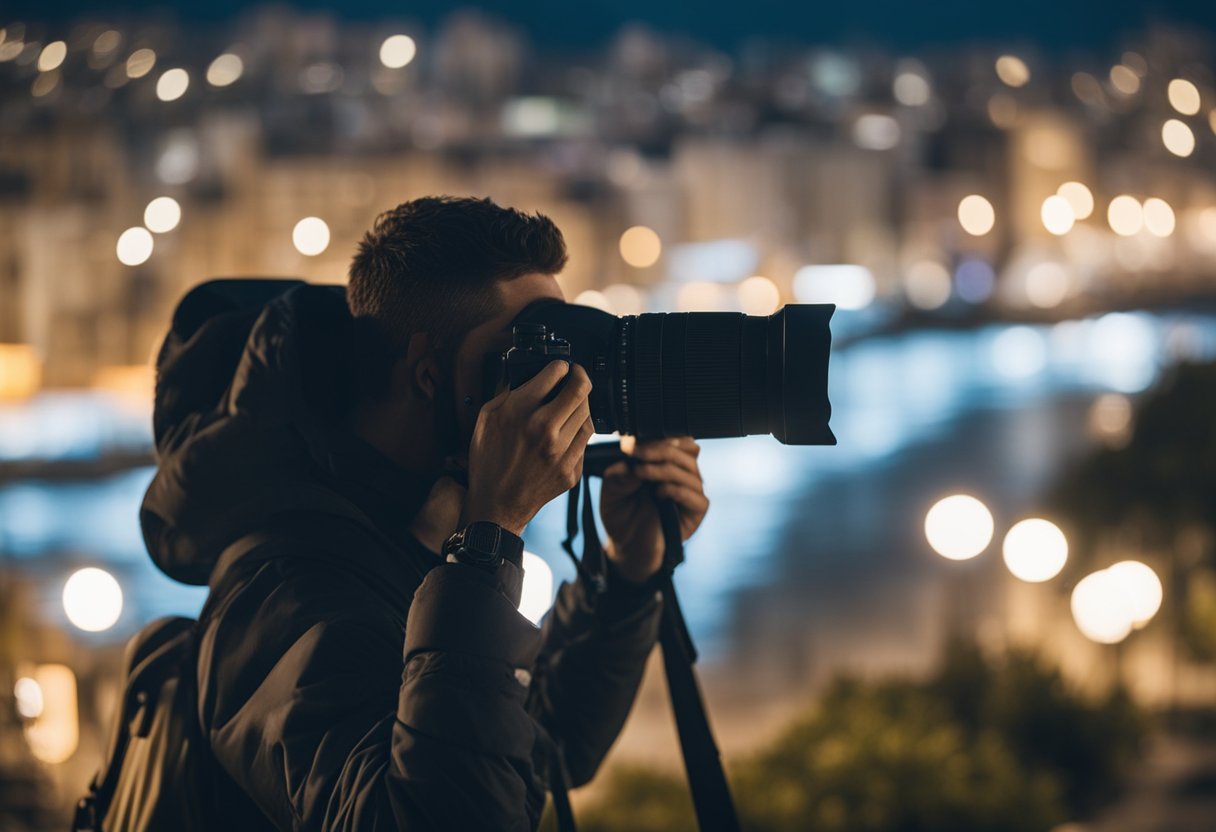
pixel 523 370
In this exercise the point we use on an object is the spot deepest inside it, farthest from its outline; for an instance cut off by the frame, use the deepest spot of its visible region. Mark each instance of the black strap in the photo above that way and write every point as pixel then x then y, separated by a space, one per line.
pixel 711 795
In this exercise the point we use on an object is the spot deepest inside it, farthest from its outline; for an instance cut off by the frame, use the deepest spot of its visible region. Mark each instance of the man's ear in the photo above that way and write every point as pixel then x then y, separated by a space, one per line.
pixel 418 370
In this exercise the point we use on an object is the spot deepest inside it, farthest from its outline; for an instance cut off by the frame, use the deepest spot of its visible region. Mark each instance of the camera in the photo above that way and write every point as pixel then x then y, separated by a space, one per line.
pixel 700 374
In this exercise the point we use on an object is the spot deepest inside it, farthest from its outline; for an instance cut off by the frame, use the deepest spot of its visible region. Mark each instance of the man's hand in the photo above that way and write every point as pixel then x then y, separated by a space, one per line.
pixel 524 453
pixel 630 515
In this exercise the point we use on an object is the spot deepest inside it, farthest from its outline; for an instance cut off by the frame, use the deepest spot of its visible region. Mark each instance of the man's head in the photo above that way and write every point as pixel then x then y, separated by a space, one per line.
pixel 433 287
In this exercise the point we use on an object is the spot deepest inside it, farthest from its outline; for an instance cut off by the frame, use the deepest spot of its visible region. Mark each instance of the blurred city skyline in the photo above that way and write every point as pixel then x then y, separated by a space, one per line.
pixel 1058 26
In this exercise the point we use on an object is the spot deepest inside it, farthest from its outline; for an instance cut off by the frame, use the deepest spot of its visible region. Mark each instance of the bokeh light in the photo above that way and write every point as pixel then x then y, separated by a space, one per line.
pixel 397 51
pixel 1184 96
pixel 1035 550
pixel 976 215
pixel 758 295
pixel 1110 419
pixel 1124 79
pixel 847 285
pixel 699 296
pixel 134 246
pixel 172 84
pixel 52 55
pixel 28 694
pixel 1079 197
pixel 975 280
pixel 162 214
pixel 55 732
pixel 537 595
pixel 626 299
pixel 225 70
pixel 310 236
pixel 1047 284
pixel 1140 584
pixel 1012 70
pixel 1057 215
pixel 140 63
pixel 959 527
pixel 1019 352
pixel 1101 608
pixel 927 285
pixel 1178 138
pixel 92 599
pixel 640 246
pixel 595 299
pixel 1158 217
pixel 1125 215
pixel 911 88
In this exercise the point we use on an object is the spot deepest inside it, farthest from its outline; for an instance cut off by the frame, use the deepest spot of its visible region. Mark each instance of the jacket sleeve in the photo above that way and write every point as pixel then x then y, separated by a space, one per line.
pixel 590 666
pixel 315 712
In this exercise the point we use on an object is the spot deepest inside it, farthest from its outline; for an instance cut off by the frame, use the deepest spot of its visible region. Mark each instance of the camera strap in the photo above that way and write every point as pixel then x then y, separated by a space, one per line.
pixel 711 795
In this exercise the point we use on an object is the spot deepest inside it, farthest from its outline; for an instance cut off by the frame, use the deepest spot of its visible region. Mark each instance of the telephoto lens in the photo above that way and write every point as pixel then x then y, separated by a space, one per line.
pixel 700 374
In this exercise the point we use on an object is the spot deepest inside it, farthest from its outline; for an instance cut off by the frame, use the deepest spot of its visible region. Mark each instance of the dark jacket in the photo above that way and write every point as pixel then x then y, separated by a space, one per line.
pixel 368 685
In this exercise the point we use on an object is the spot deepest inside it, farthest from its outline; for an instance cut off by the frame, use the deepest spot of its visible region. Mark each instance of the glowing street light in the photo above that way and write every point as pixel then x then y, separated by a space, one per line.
pixel 92 599
pixel 640 246
pixel 1035 550
pixel 976 215
pixel 310 236
pixel 1140 583
pixel 162 214
pixel 1108 604
pixel 397 51
pixel 959 527
pixel 134 246
pixel 537 595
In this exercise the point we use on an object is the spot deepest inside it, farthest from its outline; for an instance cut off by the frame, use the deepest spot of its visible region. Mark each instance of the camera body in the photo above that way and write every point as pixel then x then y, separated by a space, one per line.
pixel 533 348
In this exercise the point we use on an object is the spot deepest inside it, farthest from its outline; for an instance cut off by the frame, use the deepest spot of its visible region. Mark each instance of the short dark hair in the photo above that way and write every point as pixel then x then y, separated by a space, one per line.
pixel 432 265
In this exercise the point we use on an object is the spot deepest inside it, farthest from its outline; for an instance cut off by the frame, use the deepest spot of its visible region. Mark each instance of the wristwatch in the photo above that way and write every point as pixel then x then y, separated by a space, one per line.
pixel 493 549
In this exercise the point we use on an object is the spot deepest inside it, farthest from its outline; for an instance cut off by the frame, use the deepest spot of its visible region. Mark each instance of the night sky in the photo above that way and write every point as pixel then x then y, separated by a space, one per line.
pixel 1052 25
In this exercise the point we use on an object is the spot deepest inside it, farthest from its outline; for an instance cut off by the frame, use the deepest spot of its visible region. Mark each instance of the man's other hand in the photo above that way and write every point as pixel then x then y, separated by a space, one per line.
pixel 630 515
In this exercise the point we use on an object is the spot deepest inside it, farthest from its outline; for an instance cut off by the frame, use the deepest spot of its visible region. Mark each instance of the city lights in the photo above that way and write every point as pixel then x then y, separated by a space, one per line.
pixel 1124 79
pixel 397 51
pixel 140 63
pixel 876 131
pixel 640 247
pixel 134 246
pixel 225 70
pixel 758 295
pixel 172 84
pixel 849 286
pixel 596 299
pixel 1079 197
pixel 55 732
pixel 1158 217
pixel 959 527
pixel 1184 96
pixel 310 236
pixel 1012 70
pixel 975 280
pixel 20 372
pixel 625 299
pixel 52 55
pixel 1057 215
pixel 162 214
pixel 1035 550
pixel 537 595
pixel 1178 138
pixel 28 694
pixel 1140 584
pixel 699 296
pixel 92 599
pixel 976 215
pixel 1047 284
pixel 1101 608
pixel 1019 352
pixel 911 88
pixel 1108 604
pixel 927 285
pixel 1125 215
pixel 1110 419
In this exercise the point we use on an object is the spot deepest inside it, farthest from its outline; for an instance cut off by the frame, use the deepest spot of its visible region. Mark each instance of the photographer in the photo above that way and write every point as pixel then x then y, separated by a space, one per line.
pixel 382 678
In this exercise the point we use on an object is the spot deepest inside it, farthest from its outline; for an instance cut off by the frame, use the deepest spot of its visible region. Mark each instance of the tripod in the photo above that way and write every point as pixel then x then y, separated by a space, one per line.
pixel 710 792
